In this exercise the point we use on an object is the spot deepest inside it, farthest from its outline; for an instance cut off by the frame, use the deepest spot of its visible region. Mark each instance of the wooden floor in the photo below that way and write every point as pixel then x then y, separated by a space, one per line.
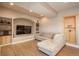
pixel 69 51
pixel 30 49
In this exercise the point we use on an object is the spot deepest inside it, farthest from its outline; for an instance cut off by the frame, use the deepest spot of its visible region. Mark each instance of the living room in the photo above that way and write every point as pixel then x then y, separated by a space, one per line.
pixel 27 30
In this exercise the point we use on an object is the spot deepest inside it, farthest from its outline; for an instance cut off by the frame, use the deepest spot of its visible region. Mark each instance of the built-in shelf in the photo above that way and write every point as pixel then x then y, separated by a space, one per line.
pixel 37 27
pixel 5 26
pixel 2 24
pixel 5 30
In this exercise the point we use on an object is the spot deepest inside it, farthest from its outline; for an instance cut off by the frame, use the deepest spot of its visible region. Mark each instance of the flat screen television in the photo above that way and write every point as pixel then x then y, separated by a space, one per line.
pixel 22 29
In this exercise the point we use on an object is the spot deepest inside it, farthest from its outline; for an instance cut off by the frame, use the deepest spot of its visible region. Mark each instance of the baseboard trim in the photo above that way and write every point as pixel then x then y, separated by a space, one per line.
pixel 16 42
pixel 5 44
pixel 22 41
pixel 72 45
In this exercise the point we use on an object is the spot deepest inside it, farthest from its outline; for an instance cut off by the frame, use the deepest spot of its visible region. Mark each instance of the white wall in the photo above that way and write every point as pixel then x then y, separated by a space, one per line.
pixel 57 24
pixel 51 25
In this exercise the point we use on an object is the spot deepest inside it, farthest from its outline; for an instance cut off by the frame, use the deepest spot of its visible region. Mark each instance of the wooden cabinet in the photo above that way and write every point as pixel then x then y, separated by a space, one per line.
pixel 0 50
pixel 70 29
pixel 5 40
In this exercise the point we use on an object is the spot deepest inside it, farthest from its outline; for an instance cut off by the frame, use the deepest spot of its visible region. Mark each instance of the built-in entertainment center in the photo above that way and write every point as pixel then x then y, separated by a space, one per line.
pixel 15 30
pixel 23 29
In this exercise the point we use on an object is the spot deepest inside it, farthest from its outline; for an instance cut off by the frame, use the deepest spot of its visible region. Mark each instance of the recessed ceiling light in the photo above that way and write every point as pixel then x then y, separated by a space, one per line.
pixel 11 3
pixel 30 10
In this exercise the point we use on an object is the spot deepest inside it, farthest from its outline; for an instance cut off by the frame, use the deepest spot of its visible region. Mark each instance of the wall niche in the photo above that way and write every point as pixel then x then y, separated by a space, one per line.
pixel 22 22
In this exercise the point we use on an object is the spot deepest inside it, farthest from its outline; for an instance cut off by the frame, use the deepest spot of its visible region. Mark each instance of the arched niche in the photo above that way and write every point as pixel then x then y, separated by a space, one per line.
pixel 25 22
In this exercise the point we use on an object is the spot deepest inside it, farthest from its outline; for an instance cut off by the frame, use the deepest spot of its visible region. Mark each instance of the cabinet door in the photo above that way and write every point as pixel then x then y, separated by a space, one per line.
pixel 0 40
pixel 70 29
pixel 0 51
pixel 6 39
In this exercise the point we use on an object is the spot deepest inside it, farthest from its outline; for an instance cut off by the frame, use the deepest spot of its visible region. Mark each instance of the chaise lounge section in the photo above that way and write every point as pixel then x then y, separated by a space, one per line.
pixel 52 46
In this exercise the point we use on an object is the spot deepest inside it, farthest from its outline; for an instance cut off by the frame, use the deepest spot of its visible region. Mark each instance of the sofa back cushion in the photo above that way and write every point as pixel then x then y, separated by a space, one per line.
pixel 47 35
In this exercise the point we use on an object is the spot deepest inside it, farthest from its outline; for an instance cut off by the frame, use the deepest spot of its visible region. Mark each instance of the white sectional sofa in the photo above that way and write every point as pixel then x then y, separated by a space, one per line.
pixel 52 46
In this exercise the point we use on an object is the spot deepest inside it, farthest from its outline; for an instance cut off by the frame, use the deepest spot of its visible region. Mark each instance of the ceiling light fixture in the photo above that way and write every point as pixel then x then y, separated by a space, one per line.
pixel 11 3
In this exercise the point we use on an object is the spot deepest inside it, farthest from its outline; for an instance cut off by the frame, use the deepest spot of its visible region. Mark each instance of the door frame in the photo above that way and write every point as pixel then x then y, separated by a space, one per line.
pixel 75 28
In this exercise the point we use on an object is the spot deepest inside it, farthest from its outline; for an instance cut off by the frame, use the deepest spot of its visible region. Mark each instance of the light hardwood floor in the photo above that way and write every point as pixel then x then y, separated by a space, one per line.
pixel 22 49
pixel 69 51
pixel 30 49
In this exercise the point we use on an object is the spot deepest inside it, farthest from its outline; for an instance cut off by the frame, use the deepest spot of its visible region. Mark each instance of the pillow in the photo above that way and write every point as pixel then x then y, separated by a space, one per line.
pixel 50 35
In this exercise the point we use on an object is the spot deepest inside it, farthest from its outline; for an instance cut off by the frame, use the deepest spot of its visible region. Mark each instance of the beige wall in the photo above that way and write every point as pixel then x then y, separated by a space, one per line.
pixel 7 12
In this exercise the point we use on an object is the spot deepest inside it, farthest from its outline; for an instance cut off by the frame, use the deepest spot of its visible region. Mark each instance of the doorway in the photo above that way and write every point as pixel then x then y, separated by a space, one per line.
pixel 70 29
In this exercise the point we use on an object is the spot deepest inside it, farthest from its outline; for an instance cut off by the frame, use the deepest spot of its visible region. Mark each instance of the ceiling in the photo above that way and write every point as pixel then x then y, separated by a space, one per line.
pixel 49 9
pixel 60 6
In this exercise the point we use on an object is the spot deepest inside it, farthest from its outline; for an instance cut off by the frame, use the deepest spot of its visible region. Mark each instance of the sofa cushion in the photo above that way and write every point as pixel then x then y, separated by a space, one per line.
pixel 47 35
